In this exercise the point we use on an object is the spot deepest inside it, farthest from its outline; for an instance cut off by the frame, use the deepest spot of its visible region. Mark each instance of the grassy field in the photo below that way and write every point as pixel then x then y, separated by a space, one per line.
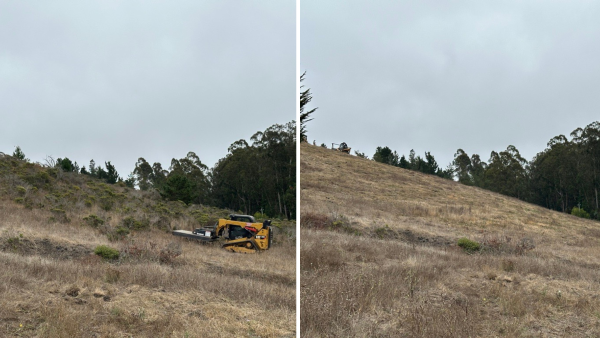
pixel 379 257
pixel 53 285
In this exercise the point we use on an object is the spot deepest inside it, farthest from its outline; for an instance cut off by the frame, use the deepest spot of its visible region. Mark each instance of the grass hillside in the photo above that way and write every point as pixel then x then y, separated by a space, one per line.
pixel 54 285
pixel 380 257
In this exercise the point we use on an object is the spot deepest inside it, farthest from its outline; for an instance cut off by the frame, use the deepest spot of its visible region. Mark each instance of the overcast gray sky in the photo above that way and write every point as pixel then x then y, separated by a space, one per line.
pixel 441 75
pixel 118 80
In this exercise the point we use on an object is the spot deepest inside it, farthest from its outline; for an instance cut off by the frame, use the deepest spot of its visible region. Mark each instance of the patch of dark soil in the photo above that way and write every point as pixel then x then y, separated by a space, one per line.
pixel 72 291
pixel 406 235
pixel 339 223
pixel 44 247
pixel 256 275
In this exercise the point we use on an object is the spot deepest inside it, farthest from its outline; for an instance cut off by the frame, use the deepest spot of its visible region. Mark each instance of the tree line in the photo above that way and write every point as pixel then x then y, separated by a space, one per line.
pixel 426 164
pixel 564 177
pixel 255 176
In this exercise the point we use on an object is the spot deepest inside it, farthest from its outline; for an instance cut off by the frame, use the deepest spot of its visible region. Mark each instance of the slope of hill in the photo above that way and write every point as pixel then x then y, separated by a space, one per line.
pixel 53 285
pixel 379 257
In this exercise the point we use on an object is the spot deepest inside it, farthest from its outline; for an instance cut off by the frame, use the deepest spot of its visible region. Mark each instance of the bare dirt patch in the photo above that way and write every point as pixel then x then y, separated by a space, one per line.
pixel 44 247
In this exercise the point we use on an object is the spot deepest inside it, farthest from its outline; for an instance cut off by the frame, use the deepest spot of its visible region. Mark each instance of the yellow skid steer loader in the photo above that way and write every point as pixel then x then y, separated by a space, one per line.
pixel 240 233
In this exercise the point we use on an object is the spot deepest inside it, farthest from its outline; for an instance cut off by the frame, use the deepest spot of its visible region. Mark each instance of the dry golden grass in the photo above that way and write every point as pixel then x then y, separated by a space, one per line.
pixel 379 257
pixel 52 285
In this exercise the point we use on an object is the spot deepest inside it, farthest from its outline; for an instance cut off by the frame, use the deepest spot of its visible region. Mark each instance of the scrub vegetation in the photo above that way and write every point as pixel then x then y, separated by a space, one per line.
pixel 391 252
pixel 255 176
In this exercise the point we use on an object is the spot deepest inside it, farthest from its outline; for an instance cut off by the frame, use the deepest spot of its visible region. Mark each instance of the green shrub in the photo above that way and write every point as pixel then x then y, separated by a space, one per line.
pixel 14 242
pixel 131 223
pixel 106 203
pixel 468 245
pixel 93 220
pixel 122 231
pixel 38 179
pixel 59 215
pixel 258 215
pixel 106 252
pixel 143 224
pixel 162 208
pixel 128 222
pixel 50 172
pixel 202 217
pixel 579 212
pixel 19 200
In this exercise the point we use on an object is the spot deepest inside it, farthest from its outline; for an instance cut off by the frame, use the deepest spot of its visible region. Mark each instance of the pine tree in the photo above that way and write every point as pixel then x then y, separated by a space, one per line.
pixel 305 98
pixel 112 176
pixel 18 153
pixel 65 164
pixel 93 169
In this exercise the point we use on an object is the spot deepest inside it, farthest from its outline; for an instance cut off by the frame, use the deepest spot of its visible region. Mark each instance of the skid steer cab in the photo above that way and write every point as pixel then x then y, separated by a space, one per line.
pixel 239 233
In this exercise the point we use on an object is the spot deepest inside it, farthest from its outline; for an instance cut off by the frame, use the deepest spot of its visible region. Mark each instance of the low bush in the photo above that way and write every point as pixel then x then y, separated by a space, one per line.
pixel 106 252
pixel 59 215
pixel 579 212
pixel 131 223
pixel 14 242
pixel 468 245
pixel 258 215
pixel 93 220
pixel 21 190
pixel 106 203
pixel 122 231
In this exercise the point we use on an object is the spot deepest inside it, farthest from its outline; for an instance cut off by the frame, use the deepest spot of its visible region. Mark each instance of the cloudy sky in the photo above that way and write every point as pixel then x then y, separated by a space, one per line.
pixel 119 80
pixel 441 75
